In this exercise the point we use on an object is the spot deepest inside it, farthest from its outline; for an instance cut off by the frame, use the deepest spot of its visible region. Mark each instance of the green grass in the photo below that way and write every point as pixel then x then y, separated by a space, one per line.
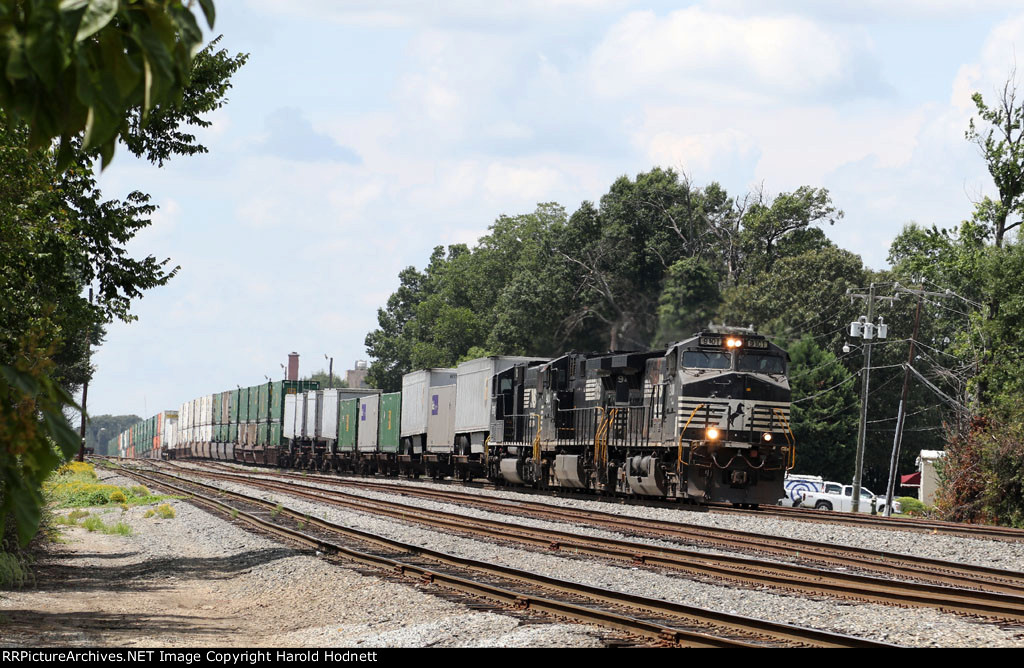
pixel 77 486
pixel 94 523
pixel 14 571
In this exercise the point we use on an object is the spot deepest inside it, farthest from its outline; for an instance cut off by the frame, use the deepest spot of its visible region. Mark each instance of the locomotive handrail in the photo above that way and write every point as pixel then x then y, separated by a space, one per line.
pixel 536 440
pixel 790 438
pixel 601 438
pixel 679 457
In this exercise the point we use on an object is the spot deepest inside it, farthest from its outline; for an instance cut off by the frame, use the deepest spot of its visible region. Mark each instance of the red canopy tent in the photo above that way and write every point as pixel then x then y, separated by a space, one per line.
pixel 912 480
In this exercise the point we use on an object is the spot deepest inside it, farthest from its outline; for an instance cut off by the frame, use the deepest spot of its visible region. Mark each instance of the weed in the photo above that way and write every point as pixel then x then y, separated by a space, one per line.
pixel 149 513
pixel 93 523
pixel 120 529
pixel 166 511
pixel 13 571
pixel 234 513
pixel 277 510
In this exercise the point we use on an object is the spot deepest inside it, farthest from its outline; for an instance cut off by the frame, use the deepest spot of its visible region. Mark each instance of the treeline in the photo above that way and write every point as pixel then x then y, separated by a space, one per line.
pixel 77 84
pixel 659 257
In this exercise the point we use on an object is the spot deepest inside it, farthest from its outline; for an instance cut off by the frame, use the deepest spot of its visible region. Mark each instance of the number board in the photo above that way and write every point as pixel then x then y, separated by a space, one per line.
pixel 711 341
pixel 757 343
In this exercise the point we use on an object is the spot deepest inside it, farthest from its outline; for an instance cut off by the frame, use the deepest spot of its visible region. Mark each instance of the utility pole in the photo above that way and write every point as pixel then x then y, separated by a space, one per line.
pixel 865 328
pixel 897 441
pixel 330 373
pixel 901 414
pixel 85 385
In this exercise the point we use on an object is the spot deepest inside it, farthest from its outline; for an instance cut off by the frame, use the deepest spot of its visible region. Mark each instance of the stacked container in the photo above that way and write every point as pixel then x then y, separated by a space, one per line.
pixel 428 410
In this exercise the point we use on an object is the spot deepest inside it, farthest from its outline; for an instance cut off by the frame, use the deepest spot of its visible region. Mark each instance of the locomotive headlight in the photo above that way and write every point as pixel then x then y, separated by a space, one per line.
pixel 767 437
pixel 734 343
pixel 713 434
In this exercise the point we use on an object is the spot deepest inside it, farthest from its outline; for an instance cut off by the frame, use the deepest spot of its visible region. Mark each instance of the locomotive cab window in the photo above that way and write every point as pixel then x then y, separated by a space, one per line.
pixel 760 363
pixel 700 359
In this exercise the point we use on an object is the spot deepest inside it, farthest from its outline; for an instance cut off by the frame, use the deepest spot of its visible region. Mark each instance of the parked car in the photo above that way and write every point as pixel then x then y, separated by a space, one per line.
pixel 835 496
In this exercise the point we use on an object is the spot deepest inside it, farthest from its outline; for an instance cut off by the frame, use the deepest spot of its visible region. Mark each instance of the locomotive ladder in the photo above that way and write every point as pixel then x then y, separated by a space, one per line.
pixel 790 439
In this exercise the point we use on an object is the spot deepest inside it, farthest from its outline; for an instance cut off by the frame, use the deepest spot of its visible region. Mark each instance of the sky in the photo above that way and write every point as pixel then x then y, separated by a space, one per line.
pixel 361 134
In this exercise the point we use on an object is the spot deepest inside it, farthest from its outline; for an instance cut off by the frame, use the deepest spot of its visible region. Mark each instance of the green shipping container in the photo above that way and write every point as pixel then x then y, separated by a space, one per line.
pixel 233 407
pixel 243 405
pixel 276 436
pixel 262 433
pixel 254 403
pixel 217 408
pixel 348 421
pixel 390 422
pixel 233 433
pixel 264 402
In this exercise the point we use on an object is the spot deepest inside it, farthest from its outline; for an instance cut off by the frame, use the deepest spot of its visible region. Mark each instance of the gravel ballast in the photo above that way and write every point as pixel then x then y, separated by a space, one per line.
pixel 912 627
pixel 197 580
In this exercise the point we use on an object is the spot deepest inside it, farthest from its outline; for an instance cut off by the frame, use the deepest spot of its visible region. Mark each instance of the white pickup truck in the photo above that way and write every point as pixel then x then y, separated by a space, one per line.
pixel 835 496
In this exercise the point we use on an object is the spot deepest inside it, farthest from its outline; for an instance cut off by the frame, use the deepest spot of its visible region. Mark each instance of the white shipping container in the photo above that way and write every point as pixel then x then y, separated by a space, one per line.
pixel 168 428
pixel 441 419
pixel 416 402
pixel 309 423
pixel 369 408
pixel 207 417
pixel 288 427
pixel 473 400
pixel 171 435
pixel 327 424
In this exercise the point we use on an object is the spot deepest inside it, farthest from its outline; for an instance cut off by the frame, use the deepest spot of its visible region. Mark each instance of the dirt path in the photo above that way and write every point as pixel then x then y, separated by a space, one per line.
pixel 199 581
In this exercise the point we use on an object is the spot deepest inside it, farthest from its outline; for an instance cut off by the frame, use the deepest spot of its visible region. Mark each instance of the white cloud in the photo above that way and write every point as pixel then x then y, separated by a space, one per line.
pixel 525 183
pixel 698 54
pixel 493 15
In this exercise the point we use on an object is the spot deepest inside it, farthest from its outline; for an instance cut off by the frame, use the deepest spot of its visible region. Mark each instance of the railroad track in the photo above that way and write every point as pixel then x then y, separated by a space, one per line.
pixel 933 527
pixel 745 571
pixel 828 555
pixel 929 526
pixel 658 620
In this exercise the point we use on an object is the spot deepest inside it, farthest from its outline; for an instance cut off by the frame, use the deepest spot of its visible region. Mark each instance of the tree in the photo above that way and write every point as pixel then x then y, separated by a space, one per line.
pixel 1002 147
pixel 823 412
pixel 781 228
pixel 689 299
pixel 103 428
pixel 619 253
pixel 58 234
pixel 75 67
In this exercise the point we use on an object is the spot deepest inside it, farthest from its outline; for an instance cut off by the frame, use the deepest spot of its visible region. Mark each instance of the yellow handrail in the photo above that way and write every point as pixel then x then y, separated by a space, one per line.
pixel 601 439
pixel 679 456
pixel 789 438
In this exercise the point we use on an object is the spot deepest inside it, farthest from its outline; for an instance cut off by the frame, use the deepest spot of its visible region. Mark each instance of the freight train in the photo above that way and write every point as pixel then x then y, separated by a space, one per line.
pixel 705 420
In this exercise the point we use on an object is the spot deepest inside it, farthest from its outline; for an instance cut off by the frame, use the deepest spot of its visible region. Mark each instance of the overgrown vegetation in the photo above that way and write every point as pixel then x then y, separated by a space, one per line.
pixel 76 485
pixel 65 272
